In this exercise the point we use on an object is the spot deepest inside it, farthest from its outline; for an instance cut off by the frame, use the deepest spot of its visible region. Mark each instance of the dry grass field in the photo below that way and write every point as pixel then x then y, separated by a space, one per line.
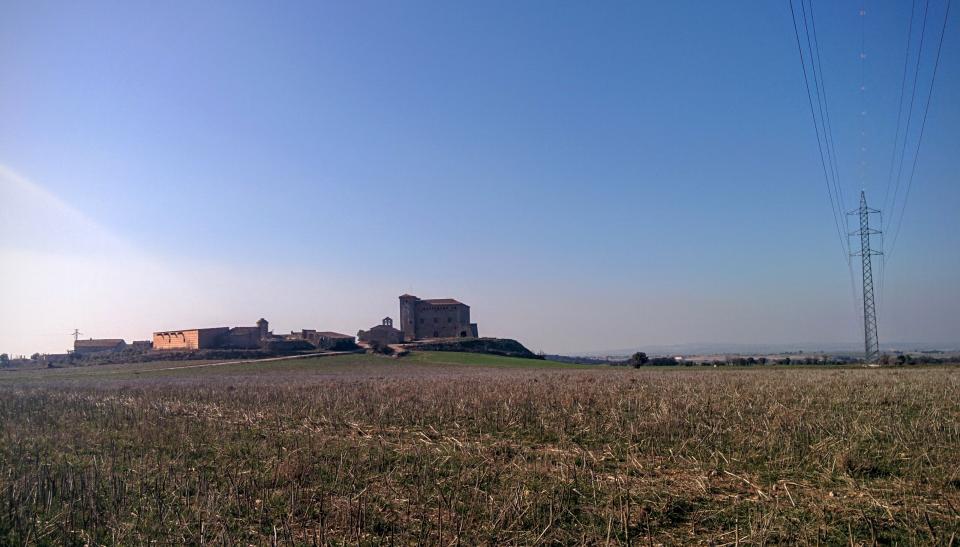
pixel 457 449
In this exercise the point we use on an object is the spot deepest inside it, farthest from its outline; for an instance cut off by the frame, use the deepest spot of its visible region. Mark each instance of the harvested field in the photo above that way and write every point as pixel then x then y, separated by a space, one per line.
pixel 466 449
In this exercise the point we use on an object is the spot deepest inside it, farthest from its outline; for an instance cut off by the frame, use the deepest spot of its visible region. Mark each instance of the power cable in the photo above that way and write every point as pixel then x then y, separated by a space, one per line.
pixel 825 110
pixel 903 88
pixel 923 124
pixel 906 133
pixel 816 128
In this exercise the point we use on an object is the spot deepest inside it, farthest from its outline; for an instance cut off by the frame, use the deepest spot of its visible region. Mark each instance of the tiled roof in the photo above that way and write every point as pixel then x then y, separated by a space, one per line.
pixel 439 301
pixel 329 334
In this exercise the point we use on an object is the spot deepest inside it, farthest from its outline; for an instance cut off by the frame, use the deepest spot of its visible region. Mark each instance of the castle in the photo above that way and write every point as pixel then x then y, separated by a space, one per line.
pixel 437 318
pixel 420 319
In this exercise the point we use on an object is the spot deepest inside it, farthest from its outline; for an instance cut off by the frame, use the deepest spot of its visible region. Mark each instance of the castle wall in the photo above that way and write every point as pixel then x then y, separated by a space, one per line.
pixel 241 338
pixel 210 338
pixel 443 321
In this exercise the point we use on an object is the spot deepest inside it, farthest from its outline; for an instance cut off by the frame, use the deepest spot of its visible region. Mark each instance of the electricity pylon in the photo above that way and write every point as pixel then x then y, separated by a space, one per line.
pixel 870 341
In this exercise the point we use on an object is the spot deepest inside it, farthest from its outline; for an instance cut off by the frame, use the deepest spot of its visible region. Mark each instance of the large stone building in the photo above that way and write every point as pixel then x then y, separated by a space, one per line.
pixel 84 347
pixel 213 338
pixel 436 318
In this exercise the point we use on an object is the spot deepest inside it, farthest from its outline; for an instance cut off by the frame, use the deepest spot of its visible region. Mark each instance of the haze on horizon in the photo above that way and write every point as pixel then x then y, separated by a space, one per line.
pixel 584 177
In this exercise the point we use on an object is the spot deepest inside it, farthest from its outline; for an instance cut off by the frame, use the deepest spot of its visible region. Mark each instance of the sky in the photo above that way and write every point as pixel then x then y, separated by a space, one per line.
pixel 585 176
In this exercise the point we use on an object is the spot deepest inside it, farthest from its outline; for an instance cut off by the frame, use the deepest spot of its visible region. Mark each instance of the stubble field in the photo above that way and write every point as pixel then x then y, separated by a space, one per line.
pixel 464 449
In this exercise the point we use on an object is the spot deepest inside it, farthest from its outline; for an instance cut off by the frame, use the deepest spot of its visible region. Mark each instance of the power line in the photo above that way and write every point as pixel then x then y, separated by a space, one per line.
pixel 816 128
pixel 903 88
pixel 862 152
pixel 923 124
pixel 913 94
pixel 896 141
pixel 824 108
pixel 831 174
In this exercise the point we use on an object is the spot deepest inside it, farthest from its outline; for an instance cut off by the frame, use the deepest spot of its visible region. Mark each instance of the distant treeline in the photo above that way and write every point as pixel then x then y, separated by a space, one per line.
pixel 640 359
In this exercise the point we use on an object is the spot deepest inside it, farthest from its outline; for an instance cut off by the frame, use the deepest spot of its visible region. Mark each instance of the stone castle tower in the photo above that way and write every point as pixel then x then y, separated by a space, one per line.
pixel 408 316
pixel 263 326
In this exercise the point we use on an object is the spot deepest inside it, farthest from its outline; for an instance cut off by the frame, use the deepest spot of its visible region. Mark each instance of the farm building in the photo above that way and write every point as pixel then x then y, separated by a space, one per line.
pixel 84 347
pixel 324 339
pixel 213 338
pixel 141 345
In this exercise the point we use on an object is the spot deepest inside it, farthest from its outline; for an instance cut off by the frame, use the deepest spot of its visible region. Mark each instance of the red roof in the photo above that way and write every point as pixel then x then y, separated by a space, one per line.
pixel 439 301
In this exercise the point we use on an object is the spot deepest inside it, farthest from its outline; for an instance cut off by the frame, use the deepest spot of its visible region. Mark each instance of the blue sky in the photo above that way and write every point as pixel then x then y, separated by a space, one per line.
pixel 585 176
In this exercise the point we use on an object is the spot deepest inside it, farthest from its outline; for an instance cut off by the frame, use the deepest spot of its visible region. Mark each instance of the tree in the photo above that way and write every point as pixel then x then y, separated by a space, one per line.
pixel 35 357
pixel 4 360
pixel 884 359
pixel 638 359
pixel 901 359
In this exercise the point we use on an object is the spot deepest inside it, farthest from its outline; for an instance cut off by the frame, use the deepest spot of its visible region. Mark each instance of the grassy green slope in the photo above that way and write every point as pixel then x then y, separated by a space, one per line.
pixel 330 365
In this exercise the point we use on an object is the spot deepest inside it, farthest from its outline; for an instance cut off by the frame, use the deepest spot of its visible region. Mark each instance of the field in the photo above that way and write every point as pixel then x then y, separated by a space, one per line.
pixel 466 449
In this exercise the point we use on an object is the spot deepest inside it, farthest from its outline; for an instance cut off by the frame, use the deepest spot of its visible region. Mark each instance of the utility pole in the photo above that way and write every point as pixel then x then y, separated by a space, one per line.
pixel 76 335
pixel 870 341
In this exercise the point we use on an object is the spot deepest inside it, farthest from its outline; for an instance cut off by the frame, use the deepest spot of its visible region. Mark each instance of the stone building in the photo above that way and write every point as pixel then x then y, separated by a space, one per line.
pixel 324 339
pixel 142 345
pixel 383 334
pixel 436 318
pixel 84 347
pixel 213 338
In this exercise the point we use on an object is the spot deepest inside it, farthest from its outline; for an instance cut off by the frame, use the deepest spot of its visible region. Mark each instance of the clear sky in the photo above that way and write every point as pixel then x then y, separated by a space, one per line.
pixel 586 176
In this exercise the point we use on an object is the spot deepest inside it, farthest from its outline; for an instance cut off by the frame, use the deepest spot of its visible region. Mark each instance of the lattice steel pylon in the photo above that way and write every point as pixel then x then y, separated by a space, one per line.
pixel 870 341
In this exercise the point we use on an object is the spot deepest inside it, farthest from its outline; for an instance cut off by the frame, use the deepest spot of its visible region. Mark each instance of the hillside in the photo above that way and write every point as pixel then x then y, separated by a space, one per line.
pixel 493 346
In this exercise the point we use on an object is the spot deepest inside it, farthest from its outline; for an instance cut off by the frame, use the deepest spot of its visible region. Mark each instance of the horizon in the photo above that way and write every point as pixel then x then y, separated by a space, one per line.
pixel 625 176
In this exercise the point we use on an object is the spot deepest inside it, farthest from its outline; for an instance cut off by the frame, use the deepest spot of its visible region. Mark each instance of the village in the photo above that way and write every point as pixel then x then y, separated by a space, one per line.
pixel 422 321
